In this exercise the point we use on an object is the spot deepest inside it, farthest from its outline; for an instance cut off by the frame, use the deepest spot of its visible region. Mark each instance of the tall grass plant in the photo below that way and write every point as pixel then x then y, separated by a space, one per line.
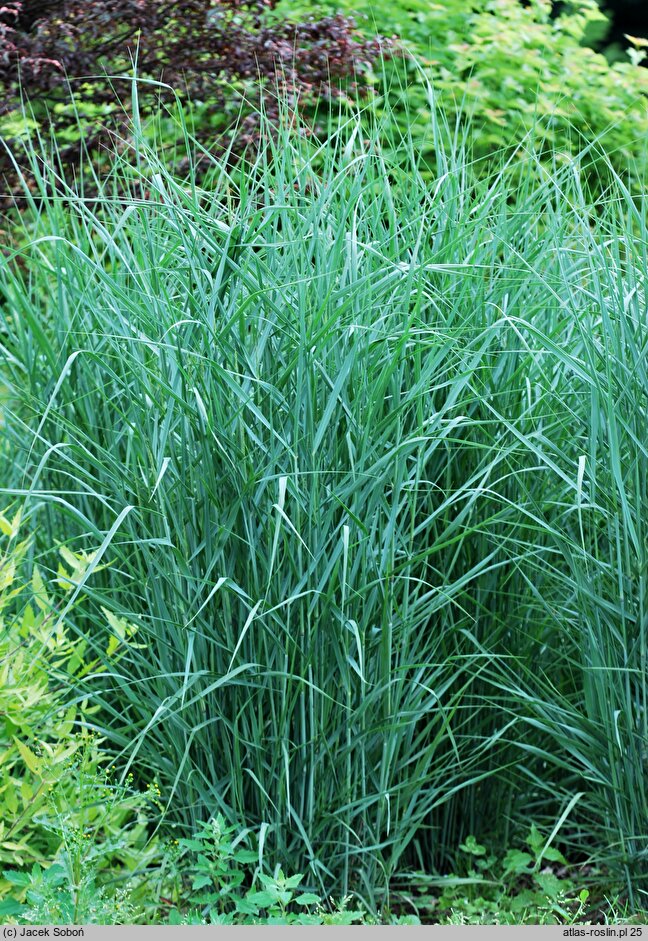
pixel 367 457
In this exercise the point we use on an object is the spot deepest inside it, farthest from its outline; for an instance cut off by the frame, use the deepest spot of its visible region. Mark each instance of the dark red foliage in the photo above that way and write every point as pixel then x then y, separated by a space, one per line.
pixel 175 41
pixel 45 45
pixel 185 43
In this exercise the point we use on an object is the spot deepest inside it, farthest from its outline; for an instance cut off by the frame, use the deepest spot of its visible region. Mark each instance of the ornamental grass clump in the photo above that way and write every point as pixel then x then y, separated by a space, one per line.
pixel 369 456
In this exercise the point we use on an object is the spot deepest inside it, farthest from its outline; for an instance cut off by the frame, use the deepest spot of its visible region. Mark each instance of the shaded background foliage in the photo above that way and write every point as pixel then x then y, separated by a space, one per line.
pixel 625 16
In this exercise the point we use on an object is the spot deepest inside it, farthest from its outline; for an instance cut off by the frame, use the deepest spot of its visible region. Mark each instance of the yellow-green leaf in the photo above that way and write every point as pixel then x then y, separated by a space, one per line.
pixel 28 756
pixel 10 799
pixel 40 594
pixel 64 579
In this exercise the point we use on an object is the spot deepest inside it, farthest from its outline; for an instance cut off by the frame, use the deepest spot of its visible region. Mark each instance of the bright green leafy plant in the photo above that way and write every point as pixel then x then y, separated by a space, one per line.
pixel 218 878
pixel 534 885
pixel 54 896
pixel 522 76
pixel 57 801
pixel 223 883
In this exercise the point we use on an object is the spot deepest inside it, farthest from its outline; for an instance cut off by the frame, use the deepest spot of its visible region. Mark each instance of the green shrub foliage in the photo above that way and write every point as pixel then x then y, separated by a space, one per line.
pixel 56 798
pixel 514 70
